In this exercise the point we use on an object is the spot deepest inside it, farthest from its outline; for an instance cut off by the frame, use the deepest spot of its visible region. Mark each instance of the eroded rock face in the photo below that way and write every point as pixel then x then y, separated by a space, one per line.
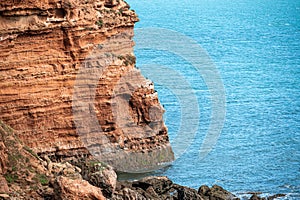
pixel 69 85
pixel 215 192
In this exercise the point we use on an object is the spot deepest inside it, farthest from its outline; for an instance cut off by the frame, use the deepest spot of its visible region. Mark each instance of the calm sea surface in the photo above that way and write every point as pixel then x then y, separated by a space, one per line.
pixel 255 45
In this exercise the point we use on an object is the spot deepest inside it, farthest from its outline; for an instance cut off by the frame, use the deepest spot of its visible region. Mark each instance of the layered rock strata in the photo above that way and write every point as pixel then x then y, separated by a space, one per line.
pixel 69 85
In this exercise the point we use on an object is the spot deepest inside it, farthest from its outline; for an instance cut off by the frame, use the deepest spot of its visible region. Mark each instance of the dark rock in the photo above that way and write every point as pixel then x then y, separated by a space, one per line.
pixel 185 193
pixel 162 188
pixel 150 190
pixel 255 197
pixel 141 184
pixel 275 196
pixel 203 191
pixel 159 184
pixel 128 194
pixel 218 193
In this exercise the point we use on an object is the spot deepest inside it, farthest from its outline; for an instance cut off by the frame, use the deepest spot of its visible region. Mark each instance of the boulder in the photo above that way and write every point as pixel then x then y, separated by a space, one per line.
pixel 99 175
pixel 215 193
pixel 203 191
pixel 77 189
pixel 255 197
pixel 218 193
pixel 185 193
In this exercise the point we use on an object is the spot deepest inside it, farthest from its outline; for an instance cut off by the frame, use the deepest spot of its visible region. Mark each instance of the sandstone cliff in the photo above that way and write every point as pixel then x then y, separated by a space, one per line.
pixel 69 86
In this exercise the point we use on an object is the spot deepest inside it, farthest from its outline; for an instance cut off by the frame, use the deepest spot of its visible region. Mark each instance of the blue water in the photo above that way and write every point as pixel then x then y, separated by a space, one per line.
pixel 255 46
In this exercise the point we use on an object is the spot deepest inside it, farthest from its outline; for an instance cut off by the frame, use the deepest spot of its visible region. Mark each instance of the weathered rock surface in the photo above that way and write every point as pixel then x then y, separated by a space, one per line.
pixel 66 189
pixel 98 174
pixel 68 83
pixel 164 188
pixel 271 197
pixel 153 188
pixel 215 193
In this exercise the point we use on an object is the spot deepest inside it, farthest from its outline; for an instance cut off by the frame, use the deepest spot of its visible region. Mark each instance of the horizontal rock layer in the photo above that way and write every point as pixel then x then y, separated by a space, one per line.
pixel 69 85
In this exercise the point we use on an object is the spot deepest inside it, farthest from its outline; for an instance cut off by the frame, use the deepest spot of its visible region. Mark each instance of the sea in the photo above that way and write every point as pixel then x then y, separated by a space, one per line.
pixel 253 99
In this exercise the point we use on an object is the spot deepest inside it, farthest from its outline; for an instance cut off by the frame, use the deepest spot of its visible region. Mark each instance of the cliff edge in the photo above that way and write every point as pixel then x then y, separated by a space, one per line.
pixel 69 86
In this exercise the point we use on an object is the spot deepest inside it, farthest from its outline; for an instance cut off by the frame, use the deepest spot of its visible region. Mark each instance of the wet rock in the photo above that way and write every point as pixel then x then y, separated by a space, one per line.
pixel 255 197
pixel 185 193
pixel 276 196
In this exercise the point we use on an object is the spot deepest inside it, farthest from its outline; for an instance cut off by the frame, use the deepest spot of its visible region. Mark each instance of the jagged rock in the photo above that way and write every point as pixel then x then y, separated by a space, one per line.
pixel 215 193
pixel 128 194
pixel 218 193
pixel 159 184
pixel 156 188
pixel 185 193
pixel 203 191
pixel 62 65
pixel 255 197
pixel 272 197
pixel 3 185
pixel 77 189
pixel 98 174
pixel 275 196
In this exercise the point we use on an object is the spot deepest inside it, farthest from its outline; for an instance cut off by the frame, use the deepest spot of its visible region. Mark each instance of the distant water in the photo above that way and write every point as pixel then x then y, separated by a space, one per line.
pixel 256 47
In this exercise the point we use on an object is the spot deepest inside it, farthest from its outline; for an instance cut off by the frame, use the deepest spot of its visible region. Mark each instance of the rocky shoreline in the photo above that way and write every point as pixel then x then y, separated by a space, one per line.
pixel 26 175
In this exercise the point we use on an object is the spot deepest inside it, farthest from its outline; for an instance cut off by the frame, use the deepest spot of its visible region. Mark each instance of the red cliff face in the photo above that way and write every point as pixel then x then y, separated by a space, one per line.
pixel 69 85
